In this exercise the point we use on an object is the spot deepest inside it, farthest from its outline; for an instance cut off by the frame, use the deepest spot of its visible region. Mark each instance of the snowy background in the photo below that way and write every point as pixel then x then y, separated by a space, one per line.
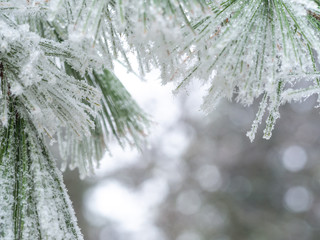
pixel 200 177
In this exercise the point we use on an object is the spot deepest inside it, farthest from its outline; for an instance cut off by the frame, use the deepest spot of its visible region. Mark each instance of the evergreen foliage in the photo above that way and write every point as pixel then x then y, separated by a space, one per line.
pixel 56 64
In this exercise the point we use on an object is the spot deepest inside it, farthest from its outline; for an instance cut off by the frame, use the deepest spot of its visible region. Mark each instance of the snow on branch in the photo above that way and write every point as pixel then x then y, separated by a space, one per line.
pixel 243 49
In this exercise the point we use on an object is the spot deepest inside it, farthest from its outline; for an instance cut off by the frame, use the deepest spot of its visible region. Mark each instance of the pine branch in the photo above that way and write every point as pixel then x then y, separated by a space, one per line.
pixel 34 202
pixel 244 48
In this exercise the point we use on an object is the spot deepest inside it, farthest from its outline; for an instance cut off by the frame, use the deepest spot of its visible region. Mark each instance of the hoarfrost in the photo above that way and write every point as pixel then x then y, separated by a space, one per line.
pixel 34 203
pixel 243 49
pixel 55 63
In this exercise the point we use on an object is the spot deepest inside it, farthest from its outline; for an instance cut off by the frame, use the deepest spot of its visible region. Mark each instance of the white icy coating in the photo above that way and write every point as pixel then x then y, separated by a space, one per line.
pixel 34 74
pixel 53 82
pixel 251 47
pixel 51 97
pixel 33 200
pixel 243 48
pixel 39 98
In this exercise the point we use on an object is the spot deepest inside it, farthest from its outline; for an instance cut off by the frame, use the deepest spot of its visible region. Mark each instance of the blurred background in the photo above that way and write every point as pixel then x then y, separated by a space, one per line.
pixel 200 178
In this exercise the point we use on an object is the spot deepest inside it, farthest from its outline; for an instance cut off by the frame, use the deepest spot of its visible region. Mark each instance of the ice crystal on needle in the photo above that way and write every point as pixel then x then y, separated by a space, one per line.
pixel 56 62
